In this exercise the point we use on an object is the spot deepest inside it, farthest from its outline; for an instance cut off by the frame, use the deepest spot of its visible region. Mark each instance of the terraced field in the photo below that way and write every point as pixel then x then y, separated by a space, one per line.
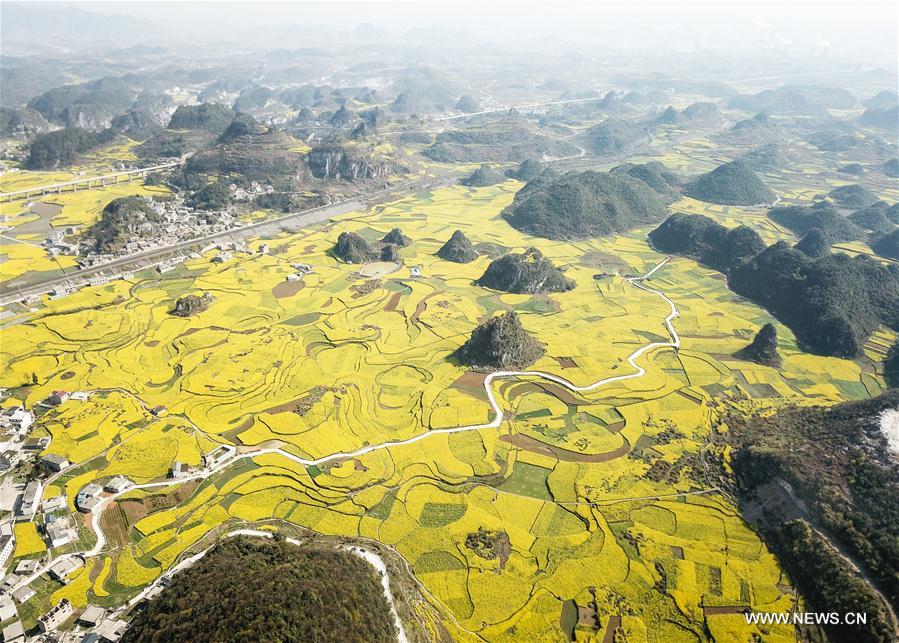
pixel 606 497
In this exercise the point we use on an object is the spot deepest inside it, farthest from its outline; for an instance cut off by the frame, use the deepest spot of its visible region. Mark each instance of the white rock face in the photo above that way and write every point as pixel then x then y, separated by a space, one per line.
pixel 889 426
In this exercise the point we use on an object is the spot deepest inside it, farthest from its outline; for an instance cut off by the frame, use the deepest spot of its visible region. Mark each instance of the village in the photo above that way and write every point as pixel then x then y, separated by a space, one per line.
pixel 179 221
pixel 66 533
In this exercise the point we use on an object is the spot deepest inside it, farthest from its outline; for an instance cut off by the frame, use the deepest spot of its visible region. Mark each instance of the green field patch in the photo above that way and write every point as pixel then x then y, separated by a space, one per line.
pixel 852 390
pixel 302 320
pixel 440 514
pixel 381 510
pixel 492 250
pixel 468 447
pixel 539 305
pixel 652 337
pixel 553 521
pixel 437 561
pixel 528 480
pixel 397 285
pixel 656 518
pixel 538 413
pixel 763 390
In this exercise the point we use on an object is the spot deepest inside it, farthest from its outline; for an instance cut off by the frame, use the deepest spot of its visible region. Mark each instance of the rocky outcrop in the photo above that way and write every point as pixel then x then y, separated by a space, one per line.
pixel 458 249
pixel 389 253
pixel 353 249
pixel 653 174
pixel 22 123
pixel 822 215
pixel 526 273
pixel 397 238
pixel 616 136
pixel 137 124
pixel 362 132
pixel 855 169
pixel 767 158
pixel 501 343
pixel 529 169
pixel 467 104
pixel 343 117
pixel 242 125
pixel 122 220
pixel 706 240
pixel 191 305
pixel 511 139
pixel 482 177
pixel 337 163
pixel 763 349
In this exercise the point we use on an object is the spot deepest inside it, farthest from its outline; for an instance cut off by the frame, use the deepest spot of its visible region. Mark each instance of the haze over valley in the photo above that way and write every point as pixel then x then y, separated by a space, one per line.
pixel 449 321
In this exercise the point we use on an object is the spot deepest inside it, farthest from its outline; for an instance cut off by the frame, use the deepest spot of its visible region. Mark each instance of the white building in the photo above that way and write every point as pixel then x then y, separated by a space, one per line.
pixel 180 470
pixel 58 397
pixel 110 631
pixel 61 535
pixel 29 502
pixel 14 633
pixel 7 609
pixel 217 456
pixel 92 615
pixel 55 503
pixel 62 569
pixel 23 594
pixel 117 484
pixel 50 621
pixel 88 497
pixel 54 462
pixel 8 582
pixel 21 419
pixel 26 567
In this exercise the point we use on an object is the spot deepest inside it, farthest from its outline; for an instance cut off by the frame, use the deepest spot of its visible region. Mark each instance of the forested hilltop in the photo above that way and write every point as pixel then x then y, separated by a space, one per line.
pixel 249 589
pixel 831 302
pixel 837 464
pixel 583 204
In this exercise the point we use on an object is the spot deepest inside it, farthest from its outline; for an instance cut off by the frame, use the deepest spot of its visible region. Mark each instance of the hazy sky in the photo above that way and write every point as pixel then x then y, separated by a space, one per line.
pixel 844 27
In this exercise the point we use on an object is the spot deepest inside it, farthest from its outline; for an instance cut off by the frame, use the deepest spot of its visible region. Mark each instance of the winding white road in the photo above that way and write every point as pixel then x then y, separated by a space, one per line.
pixel 496 422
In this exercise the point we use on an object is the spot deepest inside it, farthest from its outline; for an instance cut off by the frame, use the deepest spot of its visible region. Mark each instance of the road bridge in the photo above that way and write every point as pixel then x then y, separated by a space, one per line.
pixel 87 182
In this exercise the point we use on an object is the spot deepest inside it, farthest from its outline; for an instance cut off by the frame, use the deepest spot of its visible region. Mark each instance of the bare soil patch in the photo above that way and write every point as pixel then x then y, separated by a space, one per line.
pixel 287 289
pixel 534 445
pixel 393 302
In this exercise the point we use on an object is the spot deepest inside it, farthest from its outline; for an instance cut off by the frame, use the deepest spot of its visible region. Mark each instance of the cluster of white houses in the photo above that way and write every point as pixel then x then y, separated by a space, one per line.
pixel 178 222
pixel 91 494
pixel 93 624
pixel 23 501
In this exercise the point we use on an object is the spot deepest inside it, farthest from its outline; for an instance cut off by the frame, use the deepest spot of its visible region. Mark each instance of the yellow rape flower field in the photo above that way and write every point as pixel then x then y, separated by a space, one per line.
pixel 600 501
